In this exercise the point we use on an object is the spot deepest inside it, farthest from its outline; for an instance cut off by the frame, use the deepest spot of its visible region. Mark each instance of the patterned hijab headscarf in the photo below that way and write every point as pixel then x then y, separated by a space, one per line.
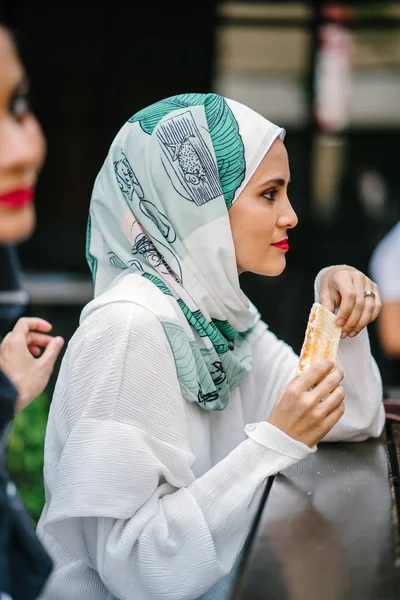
pixel 159 210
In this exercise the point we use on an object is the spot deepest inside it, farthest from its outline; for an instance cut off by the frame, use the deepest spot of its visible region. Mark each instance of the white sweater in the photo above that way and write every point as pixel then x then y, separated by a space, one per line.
pixel 148 496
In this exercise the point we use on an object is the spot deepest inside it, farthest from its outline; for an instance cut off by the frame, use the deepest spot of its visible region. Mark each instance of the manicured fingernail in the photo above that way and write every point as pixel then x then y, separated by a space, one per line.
pixel 353 333
pixel 344 335
pixel 340 323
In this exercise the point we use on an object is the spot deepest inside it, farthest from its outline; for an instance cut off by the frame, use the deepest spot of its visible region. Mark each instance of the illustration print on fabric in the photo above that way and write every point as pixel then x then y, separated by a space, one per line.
pixel 116 262
pixel 223 130
pixel 159 219
pixel 207 397
pixel 128 184
pixel 187 159
pixel 145 247
pixel 218 373
pixel 126 178
pixel 165 263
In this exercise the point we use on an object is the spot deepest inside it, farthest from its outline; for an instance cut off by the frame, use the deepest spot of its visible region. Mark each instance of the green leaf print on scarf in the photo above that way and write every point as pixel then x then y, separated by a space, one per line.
pixel 205 329
pixel 204 376
pixel 185 363
pixel 218 369
pixel 226 329
pixel 195 370
pixel 91 260
pixel 158 282
pixel 198 321
pixel 223 129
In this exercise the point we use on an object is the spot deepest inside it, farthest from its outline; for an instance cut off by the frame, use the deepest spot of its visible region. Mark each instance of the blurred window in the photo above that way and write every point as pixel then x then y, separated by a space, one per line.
pixel 262 59
pixel 264 53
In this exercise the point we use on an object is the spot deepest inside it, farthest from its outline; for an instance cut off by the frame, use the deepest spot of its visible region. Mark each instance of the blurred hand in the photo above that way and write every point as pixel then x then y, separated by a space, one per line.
pixel 22 360
pixel 307 413
pixel 344 287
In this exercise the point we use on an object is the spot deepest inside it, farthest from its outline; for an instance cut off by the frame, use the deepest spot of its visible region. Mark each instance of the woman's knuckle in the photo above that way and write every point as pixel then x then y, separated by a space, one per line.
pixel 335 377
pixel 315 417
pixel 305 402
pixel 337 373
pixel 302 399
pixel 340 392
pixel 368 319
pixel 338 415
pixel 10 338
pixel 359 303
pixel 318 404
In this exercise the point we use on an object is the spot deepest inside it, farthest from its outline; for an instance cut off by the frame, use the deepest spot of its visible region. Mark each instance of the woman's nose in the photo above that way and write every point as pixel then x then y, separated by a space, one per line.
pixel 288 219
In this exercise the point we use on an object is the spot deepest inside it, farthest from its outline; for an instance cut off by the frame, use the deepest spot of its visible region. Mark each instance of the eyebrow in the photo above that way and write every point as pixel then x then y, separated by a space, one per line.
pixel 21 86
pixel 23 83
pixel 280 182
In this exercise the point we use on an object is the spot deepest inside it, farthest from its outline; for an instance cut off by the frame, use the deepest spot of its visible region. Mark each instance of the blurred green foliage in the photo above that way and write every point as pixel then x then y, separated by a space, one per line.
pixel 25 454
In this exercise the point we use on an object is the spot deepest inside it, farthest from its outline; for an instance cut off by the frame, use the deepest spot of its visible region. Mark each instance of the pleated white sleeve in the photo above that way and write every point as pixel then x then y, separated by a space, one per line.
pixel 275 365
pixel 123 496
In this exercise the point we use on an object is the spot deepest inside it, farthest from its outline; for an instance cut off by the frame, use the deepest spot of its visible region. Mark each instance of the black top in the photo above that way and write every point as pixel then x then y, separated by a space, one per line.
pixel 13 298
pixel 24 564
pixel 8 397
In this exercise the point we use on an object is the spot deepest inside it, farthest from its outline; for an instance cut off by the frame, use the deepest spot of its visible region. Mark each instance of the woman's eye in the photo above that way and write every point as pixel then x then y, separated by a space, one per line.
pixel 270 195
pixel 20 106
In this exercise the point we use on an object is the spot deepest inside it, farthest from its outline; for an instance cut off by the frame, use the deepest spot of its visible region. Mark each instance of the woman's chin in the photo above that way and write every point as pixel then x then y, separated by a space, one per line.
pixel 16 225
pixel 269 268
pixel 272 268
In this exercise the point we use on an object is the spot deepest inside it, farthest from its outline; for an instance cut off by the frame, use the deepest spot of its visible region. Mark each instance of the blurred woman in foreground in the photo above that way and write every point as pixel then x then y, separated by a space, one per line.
pixel 24 369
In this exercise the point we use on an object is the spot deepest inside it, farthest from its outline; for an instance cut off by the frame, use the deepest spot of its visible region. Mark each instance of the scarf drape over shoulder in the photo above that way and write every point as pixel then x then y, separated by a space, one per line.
pixel 159 209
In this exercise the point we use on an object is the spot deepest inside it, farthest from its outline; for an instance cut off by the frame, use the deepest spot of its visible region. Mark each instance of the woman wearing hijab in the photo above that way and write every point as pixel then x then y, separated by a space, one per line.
pixel 24 371
pixel 174 401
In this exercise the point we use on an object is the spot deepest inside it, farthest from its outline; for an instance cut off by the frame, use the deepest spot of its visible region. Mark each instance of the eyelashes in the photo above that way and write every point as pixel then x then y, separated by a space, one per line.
pixel 20 105
pixel 270 194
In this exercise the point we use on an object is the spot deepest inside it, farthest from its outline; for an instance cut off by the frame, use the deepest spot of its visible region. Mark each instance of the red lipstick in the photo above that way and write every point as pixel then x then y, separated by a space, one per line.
pixel 18 199
pixel 282 245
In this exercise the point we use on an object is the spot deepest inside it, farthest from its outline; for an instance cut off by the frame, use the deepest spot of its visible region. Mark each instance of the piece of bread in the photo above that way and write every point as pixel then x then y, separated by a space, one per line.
pixel 322 338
